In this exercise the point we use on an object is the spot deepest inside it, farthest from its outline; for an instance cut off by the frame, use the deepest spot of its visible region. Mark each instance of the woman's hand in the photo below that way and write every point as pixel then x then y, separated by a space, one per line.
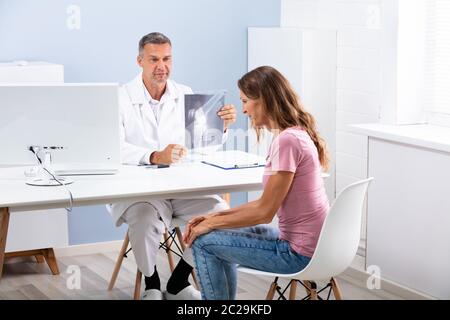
pixel 193 222
pixel 195 228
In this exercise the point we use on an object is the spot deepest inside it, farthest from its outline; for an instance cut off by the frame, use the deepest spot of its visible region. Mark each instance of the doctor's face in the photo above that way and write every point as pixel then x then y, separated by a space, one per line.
pixel 156 62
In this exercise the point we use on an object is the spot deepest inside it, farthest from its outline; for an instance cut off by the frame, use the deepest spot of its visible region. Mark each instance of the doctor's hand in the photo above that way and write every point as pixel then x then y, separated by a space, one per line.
pixel 171 154
pixel 228 114
pixel 195 228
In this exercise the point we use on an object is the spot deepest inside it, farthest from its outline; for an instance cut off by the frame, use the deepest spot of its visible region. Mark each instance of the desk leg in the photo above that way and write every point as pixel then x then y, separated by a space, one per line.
pixel 49 256
pixel 47 253
pixel 4 222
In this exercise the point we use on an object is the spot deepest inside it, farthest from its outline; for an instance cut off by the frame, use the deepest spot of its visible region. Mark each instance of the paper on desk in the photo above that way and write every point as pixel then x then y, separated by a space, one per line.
pixel 234 159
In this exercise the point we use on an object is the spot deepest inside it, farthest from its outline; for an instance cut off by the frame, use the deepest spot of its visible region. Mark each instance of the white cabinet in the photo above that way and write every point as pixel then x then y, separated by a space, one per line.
pixel 307 58
pixel 38 229
pixel 33 71
pixel 408 223
pixel 30 230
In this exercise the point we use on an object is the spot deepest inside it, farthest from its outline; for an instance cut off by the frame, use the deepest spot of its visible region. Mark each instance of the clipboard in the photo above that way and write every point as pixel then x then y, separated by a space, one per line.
pixel 234 159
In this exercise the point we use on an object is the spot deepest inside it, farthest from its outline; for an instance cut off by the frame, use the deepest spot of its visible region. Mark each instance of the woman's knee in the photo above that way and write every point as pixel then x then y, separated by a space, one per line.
pixel 208 239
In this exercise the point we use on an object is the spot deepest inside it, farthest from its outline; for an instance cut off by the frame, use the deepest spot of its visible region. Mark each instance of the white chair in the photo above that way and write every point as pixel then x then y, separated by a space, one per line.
pixel 335 251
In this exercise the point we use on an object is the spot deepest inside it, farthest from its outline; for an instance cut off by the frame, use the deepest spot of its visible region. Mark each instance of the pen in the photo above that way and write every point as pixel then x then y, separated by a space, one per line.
pixel 157 166
pixel 240 166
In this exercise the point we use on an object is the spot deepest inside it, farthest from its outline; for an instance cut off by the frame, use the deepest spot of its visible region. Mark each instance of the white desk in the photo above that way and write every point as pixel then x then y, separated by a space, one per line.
pixel 130 184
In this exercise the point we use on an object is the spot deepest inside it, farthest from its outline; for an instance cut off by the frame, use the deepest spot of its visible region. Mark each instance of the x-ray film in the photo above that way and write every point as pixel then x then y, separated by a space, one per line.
pixel 204 128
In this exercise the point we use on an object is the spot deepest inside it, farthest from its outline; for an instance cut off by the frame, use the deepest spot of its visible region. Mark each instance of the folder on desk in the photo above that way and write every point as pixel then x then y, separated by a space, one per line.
pixel 234 159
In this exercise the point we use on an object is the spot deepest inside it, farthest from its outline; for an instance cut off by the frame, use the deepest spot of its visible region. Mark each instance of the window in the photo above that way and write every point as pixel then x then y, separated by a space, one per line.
pixel 437 58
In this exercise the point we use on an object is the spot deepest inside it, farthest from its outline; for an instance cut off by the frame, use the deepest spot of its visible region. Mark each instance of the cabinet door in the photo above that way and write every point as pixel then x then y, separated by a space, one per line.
pixel 408 218
pixel 38 229
pixel 307 58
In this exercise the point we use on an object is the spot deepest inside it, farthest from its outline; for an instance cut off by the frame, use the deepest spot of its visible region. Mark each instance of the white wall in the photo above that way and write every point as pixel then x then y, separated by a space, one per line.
pixel 308 59
pixel 358 70
pixel 358 95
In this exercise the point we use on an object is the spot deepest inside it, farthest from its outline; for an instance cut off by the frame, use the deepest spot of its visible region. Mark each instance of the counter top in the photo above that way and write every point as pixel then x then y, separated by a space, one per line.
pixel 422 135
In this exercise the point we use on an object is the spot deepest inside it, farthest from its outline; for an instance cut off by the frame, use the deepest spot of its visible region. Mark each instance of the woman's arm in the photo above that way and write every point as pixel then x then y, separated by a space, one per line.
pixel 250 214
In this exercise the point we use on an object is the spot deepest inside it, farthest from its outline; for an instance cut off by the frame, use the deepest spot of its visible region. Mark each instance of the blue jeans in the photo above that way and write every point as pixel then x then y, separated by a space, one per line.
pixel 217 254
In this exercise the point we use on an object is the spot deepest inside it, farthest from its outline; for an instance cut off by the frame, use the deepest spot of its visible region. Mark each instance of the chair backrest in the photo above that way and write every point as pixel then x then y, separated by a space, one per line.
pixel 340 234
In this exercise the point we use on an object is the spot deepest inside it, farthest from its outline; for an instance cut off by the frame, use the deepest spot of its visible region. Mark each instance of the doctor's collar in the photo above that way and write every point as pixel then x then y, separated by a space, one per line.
pixel 170 93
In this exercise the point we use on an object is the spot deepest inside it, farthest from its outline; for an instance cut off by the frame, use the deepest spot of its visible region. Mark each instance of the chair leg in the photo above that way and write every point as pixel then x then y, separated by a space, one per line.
pixel 227 198
pixel 125 243
pixel 273 287
pixel 169 253
pixel 293 290
pixel 307 287
pixel 39 258
pixel 183 247
pixel 336 290
pixel 137 285
pixel 312 289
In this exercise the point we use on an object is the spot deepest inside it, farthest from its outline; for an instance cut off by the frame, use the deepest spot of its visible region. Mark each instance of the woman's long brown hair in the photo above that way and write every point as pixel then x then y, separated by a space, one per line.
pixel 281 104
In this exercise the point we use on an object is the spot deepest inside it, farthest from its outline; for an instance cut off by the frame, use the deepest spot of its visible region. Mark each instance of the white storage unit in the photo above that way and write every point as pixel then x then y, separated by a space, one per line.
pixel 35 71
pixel 408 219
pixel 409 216
pixel 29 230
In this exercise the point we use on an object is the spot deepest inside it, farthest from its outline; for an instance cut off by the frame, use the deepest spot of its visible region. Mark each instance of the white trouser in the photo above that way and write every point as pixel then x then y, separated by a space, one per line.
pixel 146 227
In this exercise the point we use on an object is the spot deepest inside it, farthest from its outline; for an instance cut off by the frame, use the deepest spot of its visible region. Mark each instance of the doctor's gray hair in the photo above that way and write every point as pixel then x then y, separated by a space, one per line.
pixel 153 38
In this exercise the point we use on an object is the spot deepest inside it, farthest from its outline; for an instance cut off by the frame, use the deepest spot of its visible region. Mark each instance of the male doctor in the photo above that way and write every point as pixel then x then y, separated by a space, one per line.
pixel 152 132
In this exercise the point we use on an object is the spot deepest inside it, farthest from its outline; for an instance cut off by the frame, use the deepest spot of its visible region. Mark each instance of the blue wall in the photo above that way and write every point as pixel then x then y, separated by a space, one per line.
pixel 209 39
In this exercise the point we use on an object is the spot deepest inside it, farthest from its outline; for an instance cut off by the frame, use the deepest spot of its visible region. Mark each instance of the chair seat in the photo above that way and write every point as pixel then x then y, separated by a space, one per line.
pixel 178 222
pixel 303 275
pixel 264 273
pixel 256 272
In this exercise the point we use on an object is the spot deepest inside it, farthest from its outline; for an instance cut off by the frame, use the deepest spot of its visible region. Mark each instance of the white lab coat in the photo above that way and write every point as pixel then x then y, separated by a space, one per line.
pixel 141 134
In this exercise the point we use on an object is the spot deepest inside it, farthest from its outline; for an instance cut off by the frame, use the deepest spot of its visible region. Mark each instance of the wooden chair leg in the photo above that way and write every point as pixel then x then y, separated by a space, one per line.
pixel 50 258
pixel 293 290
pixel 271 292
pixel 39 258
pixel 4 222
pixel 137 285
pixel 307 287
pixel 311 289
pixel 169 253
pixel 119 260
pixel 336 289
pixel 183 247
pixel 227 198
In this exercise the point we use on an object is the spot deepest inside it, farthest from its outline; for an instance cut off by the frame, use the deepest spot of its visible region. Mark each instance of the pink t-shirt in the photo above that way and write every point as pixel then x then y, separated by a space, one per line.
pixel 305 207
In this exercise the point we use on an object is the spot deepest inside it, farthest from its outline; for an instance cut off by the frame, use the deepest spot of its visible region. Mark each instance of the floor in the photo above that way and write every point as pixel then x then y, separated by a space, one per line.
pixel 24 278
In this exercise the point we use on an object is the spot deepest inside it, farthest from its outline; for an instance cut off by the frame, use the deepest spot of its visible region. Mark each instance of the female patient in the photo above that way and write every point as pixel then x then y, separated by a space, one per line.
pixel 293 189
